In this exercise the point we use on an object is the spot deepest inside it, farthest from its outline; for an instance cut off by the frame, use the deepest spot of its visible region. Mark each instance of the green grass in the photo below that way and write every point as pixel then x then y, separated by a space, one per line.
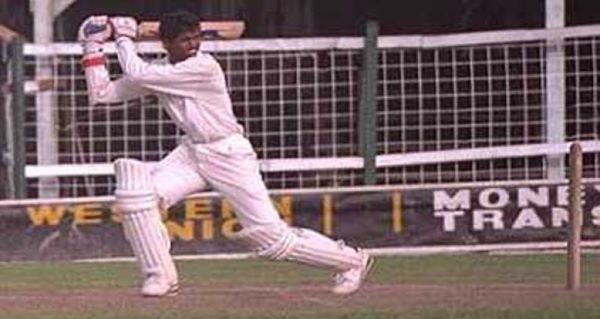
pixel 423 269
pixel 482 269
pixel 448 270
pixel 64 275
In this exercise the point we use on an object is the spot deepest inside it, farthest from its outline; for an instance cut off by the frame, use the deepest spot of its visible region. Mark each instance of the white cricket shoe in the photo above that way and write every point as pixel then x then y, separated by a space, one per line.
pixel 158 286
pixel 349 281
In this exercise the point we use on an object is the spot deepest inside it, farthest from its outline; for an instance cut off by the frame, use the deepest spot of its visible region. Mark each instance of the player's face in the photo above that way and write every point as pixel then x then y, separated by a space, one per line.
pixel 183 46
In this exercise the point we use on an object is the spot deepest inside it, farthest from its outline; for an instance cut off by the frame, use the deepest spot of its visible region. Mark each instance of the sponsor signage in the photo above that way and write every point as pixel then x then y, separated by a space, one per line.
pixel 369 218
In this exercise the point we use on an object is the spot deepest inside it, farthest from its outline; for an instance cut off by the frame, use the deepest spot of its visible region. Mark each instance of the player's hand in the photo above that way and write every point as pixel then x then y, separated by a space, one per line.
pixel 92 33
pixel 124 27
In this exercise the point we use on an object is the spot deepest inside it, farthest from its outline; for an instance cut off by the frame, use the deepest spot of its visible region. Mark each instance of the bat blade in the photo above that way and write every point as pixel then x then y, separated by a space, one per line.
pixel 211 30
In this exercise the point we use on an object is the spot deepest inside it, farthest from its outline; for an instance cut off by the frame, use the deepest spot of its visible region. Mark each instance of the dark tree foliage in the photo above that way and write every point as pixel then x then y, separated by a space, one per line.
pixel 289 18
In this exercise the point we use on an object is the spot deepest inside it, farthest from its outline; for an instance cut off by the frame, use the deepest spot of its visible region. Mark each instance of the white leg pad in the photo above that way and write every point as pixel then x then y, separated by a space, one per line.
pixel 280 242
pixel 142 224
pixel 319 250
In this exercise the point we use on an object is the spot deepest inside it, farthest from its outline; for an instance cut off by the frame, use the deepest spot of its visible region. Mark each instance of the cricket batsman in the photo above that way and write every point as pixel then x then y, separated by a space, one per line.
pixel 191 87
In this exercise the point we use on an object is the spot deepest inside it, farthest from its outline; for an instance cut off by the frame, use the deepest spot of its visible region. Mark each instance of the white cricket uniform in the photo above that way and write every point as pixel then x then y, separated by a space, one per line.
pixel 214 152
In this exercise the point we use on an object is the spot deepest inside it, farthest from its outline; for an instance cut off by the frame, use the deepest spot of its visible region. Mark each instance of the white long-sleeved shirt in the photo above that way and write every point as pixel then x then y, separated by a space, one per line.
pixel 193 91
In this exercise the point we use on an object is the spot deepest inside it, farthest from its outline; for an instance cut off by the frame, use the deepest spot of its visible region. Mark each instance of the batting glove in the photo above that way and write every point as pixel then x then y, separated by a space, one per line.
pixel 124 27
pixel 93 32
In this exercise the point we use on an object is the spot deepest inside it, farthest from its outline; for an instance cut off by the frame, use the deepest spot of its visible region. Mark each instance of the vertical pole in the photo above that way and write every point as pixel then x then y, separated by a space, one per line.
pixel 575 218
pixel 18 118
pixel 555 88
pixel 46 134
pixel 4 125
pixel 367 134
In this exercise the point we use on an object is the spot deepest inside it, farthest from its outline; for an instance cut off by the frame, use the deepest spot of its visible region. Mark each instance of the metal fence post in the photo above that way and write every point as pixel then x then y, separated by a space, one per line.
pixel 555 89
pixel 5 187
pixel 367 136
pixel 18 117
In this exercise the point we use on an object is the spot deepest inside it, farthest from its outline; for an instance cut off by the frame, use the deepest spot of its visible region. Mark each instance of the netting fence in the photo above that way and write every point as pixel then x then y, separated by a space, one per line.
pixel 444 101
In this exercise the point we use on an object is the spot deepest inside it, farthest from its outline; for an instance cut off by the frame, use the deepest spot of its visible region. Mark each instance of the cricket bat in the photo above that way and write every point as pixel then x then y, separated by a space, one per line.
pixel 211 30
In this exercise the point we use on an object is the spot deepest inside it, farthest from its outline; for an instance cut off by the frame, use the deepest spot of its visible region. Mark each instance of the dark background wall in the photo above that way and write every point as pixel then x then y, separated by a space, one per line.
pixel 286 18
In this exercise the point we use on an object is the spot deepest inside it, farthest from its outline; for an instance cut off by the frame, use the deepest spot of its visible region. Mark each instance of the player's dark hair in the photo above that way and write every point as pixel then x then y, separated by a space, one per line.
pixel 174 23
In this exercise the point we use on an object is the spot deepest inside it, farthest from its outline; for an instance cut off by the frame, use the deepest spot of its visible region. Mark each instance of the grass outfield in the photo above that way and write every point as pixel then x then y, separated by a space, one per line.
pixel 449 286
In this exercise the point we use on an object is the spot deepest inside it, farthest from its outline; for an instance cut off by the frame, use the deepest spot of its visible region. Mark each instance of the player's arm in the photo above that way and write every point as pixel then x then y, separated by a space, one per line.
pixel 184 78
pixel 102 90
pixel 94 31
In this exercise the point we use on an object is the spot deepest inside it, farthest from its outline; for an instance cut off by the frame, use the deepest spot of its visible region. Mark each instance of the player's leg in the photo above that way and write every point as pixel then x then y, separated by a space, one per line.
pixel 233 170
pixel 141 193
pixel 176 177
pixel 280 242
pixel 143 228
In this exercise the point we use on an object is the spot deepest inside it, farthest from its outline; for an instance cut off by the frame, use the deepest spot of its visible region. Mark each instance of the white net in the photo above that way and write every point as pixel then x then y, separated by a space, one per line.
pixel 468 96
pixel 463 98
pixel 298 100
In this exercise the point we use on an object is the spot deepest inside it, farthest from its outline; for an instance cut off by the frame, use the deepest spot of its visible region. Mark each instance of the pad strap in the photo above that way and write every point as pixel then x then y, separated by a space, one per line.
pixel 134 200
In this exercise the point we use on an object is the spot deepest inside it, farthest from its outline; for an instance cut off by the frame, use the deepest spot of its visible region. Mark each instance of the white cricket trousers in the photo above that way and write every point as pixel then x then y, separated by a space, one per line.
pixel 229 166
